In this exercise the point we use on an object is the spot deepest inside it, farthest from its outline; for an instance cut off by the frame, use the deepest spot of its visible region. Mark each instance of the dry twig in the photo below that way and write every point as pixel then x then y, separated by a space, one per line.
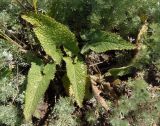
pixel 97 92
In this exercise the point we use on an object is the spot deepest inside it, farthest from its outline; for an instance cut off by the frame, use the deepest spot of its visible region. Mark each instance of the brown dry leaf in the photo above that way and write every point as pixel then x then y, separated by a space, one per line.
pixel 142 31
pixel 41 110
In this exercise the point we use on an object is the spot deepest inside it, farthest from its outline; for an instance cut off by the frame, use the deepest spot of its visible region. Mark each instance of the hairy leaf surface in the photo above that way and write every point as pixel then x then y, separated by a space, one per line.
pixel 77 74
pixel 37 85
pixel 105 41
pixel 52 35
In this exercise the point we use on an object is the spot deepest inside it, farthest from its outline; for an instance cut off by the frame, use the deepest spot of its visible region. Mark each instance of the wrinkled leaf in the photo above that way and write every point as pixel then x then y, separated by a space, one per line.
pixel 105 41
pixel 52 35
pixel 67 85
pixel 77 74
pixel 36 87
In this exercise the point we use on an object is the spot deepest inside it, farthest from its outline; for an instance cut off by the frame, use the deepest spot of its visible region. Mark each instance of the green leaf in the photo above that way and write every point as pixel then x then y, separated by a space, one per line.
pixel 52 35
pixel 67 85
pixel 120 71
pixel 36 87
pixel 77 74
pixel 104 41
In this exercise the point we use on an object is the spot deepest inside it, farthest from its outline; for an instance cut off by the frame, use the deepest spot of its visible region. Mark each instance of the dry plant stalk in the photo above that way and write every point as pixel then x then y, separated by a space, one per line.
pixel 97 92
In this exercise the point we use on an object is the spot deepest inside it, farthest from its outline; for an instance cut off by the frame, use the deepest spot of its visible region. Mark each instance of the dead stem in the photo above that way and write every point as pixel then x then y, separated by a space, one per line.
pixel 12 41
pixel 97 92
